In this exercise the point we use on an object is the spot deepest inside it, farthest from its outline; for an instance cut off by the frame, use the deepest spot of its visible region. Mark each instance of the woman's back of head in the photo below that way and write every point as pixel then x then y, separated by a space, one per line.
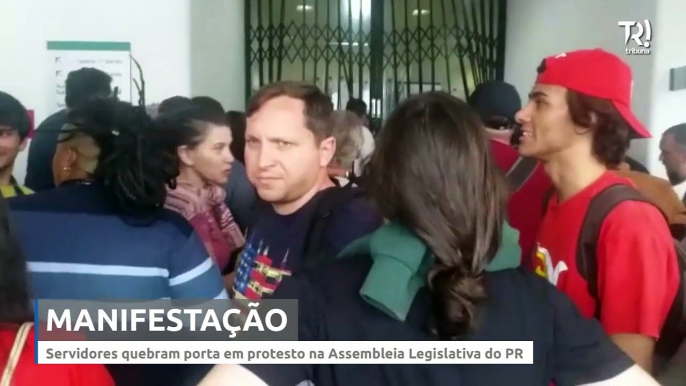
pixel 347 130
pixel 432 170
pixel 131 165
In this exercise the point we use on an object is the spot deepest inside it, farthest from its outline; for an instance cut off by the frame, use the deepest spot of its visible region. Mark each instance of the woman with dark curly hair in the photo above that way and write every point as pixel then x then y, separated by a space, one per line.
pixel 104 233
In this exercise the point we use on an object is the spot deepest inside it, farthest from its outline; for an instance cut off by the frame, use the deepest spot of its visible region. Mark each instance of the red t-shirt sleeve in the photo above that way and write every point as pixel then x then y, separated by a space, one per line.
pixel 637 270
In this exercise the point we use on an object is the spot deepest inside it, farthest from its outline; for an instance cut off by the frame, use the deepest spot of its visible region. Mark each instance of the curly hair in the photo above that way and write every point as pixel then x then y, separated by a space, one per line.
pixel 125 154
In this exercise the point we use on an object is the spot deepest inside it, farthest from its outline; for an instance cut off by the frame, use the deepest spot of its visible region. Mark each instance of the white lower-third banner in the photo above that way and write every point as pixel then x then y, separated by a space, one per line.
pixel 286 352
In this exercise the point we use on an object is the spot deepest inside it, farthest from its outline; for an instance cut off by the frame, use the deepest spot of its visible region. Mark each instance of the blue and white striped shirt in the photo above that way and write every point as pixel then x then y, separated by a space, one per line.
pixel 77 247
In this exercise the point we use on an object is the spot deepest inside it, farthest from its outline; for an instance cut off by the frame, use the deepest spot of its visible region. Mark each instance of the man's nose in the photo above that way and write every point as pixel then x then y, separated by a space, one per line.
pixel 265 158
pixel 522 116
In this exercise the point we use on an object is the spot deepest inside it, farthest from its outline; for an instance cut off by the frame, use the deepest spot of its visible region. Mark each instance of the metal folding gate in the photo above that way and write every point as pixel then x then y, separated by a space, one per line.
pixel 377 50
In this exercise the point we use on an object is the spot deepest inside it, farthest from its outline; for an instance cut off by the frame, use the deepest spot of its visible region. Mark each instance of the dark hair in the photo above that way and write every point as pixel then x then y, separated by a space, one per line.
pixel 610 130
pixel 132 166
pixel 14 115
pixel 318 106
pixel 679 133
pixel 187 126
pixel 15 304
pixel 237 123
pixel 172 104
pixel 357 106
pixel 208 103
pixel 460 209
pixel 496 102
pixel 85 84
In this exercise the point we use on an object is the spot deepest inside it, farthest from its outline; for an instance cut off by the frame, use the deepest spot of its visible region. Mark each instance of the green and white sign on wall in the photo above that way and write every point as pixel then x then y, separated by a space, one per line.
pixel 113 58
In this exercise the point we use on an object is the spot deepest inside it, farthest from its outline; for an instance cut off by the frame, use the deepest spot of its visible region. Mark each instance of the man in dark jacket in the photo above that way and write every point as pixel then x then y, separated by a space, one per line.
pixel 82 85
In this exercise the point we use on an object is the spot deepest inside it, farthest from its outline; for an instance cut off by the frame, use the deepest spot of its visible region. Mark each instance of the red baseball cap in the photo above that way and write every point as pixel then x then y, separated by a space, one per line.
pixel 597 73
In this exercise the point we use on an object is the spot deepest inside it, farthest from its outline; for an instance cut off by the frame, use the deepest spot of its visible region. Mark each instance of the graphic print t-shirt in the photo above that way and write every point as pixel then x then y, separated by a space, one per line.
pixel 276 243
pixel 637 267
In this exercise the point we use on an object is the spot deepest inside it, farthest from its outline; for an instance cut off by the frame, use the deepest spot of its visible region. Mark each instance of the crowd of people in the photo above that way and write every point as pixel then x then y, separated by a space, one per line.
pixel 482 219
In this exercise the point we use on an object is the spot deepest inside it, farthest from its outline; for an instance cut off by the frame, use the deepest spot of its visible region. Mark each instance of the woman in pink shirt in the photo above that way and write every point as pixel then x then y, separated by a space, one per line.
pixel 202 139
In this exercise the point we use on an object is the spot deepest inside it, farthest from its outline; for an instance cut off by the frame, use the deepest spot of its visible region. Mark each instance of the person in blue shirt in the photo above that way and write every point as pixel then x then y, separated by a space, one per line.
pixel 103 232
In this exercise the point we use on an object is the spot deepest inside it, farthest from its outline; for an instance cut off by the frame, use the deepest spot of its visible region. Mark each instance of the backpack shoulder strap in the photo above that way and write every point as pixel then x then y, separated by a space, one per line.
pixel 520 172
pixel 330 200
pixel 15 354
pixel 587 243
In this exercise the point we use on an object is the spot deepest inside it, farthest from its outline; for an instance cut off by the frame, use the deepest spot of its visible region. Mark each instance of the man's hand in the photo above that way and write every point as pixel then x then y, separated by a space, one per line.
pixel 638 347
pixel 336 171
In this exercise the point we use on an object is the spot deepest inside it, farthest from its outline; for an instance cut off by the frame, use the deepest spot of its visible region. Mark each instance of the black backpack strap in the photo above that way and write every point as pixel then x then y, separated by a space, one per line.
pixel 673 333
pixel 330 200
pixel 520 172
pixel 587 243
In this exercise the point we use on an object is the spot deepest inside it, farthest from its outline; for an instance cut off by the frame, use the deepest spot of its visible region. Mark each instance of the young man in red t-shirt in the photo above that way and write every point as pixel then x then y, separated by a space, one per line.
pixel 577 122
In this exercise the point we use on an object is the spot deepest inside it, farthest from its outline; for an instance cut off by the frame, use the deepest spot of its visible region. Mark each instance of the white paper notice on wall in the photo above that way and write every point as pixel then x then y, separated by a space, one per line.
pixel 113 58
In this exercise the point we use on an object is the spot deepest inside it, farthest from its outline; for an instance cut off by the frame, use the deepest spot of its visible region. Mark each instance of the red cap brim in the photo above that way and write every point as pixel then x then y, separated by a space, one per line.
pixel 631 119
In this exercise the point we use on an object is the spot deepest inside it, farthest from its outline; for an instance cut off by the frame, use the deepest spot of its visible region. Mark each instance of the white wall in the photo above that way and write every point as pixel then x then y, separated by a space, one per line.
pixel 218 51
pixel 160 33
pixel 538 28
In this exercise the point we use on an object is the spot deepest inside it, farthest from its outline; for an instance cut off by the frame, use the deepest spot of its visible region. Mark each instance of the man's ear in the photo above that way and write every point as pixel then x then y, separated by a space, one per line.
pixel 72 158
pixel 184 154
pixel 594 118
pixel 327 149
pixel 583 130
